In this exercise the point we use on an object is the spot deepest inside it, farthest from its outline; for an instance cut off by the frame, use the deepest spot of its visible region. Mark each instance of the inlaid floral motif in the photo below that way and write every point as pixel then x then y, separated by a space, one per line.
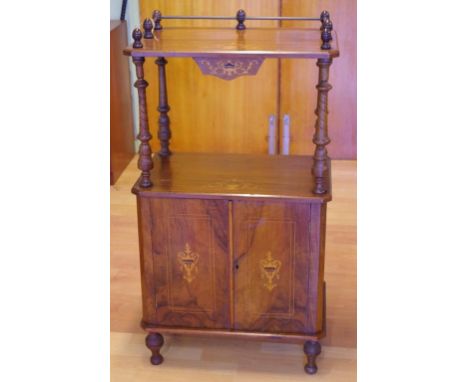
pixel 229 68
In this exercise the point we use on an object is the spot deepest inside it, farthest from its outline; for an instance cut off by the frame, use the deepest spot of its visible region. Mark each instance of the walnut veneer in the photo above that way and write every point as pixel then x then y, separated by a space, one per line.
pixel 232 245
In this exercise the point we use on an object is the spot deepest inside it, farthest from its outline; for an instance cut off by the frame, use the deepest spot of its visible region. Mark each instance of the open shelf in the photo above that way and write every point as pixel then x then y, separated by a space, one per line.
pixel 238 176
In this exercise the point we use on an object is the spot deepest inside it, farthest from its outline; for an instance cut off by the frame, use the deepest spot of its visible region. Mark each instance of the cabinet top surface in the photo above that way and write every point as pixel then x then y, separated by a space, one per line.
pixel 261 42
pixel 238 176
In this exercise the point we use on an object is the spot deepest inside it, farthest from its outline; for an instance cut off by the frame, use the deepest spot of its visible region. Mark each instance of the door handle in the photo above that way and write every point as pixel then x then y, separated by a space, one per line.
pixel 271 135
pixel 286 135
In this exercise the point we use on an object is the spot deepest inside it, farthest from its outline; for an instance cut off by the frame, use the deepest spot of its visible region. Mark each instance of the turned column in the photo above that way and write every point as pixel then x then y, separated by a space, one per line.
pixel 164 132
pixel 311 349
pixel 154 342
pixel 320 168
pixel 145 161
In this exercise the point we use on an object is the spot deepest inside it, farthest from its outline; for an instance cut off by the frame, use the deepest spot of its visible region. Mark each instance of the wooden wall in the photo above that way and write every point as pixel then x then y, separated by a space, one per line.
pixel 122 139
pixel 209 114
pixel 299 77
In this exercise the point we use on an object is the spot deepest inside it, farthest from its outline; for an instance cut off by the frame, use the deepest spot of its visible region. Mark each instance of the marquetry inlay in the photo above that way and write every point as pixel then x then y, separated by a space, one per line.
pixel 229 68
pixel 270 271
pixel 188 262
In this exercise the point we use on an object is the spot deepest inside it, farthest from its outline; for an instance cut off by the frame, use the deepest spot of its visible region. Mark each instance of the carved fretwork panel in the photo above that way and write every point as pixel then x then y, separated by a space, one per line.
pixel 274 261
pixel 229 68
pixel 190 262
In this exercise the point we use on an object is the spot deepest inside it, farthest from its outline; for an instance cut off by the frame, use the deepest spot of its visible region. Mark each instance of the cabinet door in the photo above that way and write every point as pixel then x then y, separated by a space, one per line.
pixel 274 285
pixel 190 263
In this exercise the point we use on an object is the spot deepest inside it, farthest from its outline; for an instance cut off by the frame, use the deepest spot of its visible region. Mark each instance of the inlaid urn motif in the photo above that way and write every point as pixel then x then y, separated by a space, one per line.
pixel 188 262
pixel 270 271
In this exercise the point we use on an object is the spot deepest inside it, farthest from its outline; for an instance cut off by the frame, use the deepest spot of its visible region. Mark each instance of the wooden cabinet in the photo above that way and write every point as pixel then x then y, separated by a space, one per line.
pixel 232 244
pixel 237 265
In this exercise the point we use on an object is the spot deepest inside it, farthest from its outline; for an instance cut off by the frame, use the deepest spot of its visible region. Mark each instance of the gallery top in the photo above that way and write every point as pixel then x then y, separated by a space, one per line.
pixel 241 41
pixel 222 42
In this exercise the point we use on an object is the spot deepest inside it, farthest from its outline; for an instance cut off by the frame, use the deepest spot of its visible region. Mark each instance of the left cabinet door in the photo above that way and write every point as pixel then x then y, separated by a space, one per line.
pixel 184 262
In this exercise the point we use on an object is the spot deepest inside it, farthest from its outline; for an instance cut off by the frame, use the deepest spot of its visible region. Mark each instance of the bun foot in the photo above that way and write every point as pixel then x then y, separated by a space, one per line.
pixel 154 342
pixel 311 349
pixel 310 369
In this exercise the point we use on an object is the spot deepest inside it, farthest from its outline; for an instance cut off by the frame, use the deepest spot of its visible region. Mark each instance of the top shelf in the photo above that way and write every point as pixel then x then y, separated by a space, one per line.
pixel 228 42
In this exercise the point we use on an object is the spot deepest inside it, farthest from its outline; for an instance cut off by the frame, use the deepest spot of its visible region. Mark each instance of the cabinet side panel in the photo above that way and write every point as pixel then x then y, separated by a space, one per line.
pixel 146 259
pixel 191 257
pixel 272 255
pixel 317 242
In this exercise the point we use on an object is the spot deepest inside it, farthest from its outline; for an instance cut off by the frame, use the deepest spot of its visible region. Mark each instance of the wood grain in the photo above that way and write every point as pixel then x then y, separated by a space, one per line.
pixel 190 263
pixel 299 77
pixel 235 175
pixel 273 256
pixel 285 337
pixel 121 123
pixel 206 112
pixel 146 260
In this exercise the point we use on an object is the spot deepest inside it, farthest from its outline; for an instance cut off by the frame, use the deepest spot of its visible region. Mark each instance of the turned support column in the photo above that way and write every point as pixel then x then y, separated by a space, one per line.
pixel 154 342
pixel 145 161
pixel 311 349
pixel 164 132
pixel 320 168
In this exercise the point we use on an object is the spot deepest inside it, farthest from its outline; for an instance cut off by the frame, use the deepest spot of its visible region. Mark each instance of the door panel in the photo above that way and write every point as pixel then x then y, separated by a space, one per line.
pixel 209 114
pixel 190 262
pixel 298 96
pixel 273 257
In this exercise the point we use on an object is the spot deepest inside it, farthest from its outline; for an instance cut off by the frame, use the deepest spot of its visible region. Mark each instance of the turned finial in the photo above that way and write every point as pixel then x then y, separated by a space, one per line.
pixel 324 15
pixel 240 16
pixel 157 17
pixel 325 19
pixel 326 28
pixel 148 27
pixel 137 35
pixel 326 37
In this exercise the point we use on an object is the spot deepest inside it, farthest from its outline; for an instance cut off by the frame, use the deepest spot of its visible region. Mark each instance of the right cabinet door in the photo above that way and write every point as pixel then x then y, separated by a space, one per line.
pixel 276 260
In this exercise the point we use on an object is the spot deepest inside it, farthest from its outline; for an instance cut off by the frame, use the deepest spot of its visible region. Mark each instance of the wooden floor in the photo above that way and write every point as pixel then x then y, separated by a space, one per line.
pixel 201 359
